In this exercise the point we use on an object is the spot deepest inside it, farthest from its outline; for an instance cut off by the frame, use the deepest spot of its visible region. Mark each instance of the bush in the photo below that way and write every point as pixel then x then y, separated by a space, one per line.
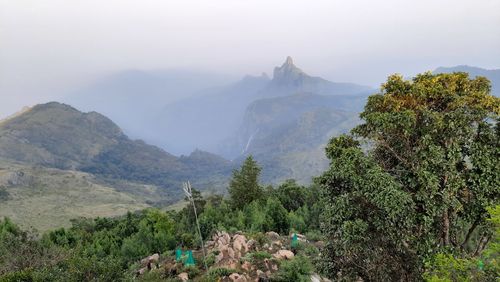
pixel 298 269
pixel 220 272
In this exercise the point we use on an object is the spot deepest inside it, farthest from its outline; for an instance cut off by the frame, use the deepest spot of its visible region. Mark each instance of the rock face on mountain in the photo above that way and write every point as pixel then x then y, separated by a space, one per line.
pixel 493 75
pixel 286 135
pixel 289 79
pixel 59 136
pixel 206 121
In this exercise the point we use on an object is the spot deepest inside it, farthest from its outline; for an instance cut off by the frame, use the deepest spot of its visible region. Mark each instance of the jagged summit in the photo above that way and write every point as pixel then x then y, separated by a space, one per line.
pixel 287 72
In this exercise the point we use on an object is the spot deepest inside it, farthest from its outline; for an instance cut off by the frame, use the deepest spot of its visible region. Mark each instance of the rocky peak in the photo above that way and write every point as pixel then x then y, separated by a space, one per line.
pixel 288 72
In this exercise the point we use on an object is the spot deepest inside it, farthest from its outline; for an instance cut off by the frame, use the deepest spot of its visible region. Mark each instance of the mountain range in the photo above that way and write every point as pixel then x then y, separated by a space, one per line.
pixel 55 157
pixel 206 122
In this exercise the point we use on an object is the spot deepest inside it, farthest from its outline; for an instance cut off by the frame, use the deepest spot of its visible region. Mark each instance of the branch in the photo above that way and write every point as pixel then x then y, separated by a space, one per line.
pixel 482 244
pixel 469 233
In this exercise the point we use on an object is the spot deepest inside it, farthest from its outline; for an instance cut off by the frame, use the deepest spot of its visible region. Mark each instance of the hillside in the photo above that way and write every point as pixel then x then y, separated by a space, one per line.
pixel 287 134
pixel 48 198
pixel 208 120
pixel 58 136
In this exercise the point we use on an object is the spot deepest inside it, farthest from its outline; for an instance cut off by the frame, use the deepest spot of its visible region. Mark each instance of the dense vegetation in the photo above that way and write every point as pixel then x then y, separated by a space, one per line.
pixel 410 194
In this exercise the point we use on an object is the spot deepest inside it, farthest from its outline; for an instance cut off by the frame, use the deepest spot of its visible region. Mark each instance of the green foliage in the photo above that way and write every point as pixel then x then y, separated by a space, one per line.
pixel 486 267
pixel 276 217
pixel 423 188
pixel 219 272
pixel 298 269
pixel 292 195
pixel 244 187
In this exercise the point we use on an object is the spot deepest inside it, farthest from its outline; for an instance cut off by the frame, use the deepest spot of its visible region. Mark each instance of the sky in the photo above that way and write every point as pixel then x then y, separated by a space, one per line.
pixel 49 48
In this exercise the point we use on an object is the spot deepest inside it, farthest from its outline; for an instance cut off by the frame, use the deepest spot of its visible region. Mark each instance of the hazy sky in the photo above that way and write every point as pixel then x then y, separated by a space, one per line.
pixel 49 47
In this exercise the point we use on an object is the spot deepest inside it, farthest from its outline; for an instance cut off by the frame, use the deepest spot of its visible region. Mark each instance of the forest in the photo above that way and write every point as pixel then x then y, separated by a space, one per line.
pixel 410 194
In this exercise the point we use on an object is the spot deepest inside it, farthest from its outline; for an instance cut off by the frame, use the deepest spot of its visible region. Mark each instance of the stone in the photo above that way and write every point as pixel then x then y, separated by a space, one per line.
pixel 284 254
pixel 240 245
pixel 235 277
pixel 183 276
pixel 251 245
pixel 247 266
pixel 142 271
pixel 273 235
pixel 155 258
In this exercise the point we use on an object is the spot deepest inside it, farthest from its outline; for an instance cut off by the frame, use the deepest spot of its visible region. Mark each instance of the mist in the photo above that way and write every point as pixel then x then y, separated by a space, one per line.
pixel 50 49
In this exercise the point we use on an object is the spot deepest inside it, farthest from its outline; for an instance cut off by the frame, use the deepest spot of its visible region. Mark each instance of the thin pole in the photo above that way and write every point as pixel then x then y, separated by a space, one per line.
pixel 198 225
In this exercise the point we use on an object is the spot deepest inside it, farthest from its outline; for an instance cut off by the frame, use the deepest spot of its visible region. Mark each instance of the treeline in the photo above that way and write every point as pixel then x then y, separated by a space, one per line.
pixel 108 249
pixel 410 194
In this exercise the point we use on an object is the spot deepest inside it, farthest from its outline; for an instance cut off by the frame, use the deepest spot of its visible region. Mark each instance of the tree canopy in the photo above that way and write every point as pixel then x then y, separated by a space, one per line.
pixel 421 183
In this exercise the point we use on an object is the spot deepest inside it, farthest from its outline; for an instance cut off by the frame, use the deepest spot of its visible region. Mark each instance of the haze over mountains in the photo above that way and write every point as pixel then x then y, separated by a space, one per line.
pixel 66 155
pixel 208 121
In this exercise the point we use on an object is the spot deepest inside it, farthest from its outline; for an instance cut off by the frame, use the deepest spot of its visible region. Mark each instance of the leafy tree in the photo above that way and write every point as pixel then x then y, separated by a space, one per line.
pixel 244 187
pixel 276 217
pixel 431 171
pixel 292 195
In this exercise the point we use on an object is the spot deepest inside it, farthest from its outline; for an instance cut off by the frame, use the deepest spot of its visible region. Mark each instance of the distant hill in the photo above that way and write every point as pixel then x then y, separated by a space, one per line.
pixel 130 97
pixel 206 121
pixel 287 134
pixel 493 75
pixel 58 136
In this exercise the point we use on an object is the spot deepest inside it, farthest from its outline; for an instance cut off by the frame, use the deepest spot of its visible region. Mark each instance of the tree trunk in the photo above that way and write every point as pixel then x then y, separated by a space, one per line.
pixel 446 228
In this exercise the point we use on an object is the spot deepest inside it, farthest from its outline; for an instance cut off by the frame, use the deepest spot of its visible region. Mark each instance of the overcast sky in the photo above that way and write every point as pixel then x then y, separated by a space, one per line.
pixel 49 47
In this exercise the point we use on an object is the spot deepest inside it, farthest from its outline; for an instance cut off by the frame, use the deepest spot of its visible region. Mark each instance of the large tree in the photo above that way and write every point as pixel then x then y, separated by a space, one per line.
pixel 244 186
pixel 420 184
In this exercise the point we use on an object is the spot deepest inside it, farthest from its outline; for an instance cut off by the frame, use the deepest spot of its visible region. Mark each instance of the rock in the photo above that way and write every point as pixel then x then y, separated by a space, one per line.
pixel 247 266
pixel 142 271
pixel 251 245
pixel 209 244
pixel 273 235
pixel 284 254
pixel 235 277
pixel 261 276
pixel 151 259
pixel 183 276
pixel 315 278
pixel 240 245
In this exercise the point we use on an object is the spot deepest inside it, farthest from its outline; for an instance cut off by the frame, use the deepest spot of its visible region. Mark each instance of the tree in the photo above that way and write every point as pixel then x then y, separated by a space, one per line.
pixel 292 195
pixel 244 187
pixel 276 217
pixel 424 185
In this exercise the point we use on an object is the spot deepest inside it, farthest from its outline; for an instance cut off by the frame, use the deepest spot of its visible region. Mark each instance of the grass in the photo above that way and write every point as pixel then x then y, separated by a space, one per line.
pixel 52 197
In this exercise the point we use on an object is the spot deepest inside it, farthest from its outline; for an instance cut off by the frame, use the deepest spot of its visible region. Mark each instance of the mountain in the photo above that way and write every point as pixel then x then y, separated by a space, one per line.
pixel 139 92
pixel 493 75
pixel 207 121
pixel 203 121
pixel 58 136
pixel 287 134
pixel 289 79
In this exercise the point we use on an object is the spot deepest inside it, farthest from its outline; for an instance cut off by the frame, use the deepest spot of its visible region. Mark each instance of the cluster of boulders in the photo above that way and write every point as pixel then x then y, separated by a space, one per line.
pixel 235 252
pixel 149 263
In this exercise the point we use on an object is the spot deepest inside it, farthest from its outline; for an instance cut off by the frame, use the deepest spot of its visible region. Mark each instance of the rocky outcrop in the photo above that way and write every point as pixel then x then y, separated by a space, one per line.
pixel 284 254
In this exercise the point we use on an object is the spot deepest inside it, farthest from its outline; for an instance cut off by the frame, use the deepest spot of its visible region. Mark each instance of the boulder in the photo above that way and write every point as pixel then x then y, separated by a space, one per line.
pixel 240 245
pixel 235 277
pixel 247 266
pixel 142 271
pixel 151 259
pixel 284 254
pixel 183 276
pixel 273 235
pixel 252 245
